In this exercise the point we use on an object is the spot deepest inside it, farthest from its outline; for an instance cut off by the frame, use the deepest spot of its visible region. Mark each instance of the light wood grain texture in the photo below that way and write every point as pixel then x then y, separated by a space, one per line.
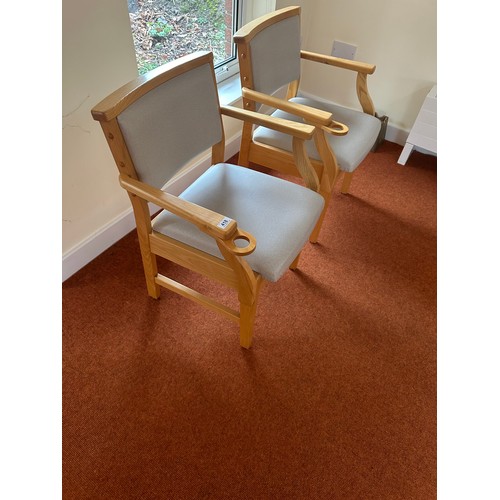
pixel 206 220
pixel 143 223
pixel 194 259
pixel 295 263
pixel 331 169
pixel 292 89
pixel 358 66
pixel 197 297
pixel 313 115
pixel 295 129
pixel 278 159
pixel 304 164
pixel 363 95
pixel 245 145
pixel 248 291
pixel 346 182
pixel 329 175
pixel 362 69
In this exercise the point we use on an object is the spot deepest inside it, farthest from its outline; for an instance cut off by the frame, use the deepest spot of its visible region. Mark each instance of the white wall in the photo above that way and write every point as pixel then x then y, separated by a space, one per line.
pixel 399 36
pixel 98 57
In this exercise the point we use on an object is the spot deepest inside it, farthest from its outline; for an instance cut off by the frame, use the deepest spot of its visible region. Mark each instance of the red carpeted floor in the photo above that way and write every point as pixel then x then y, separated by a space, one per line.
pixel 335 400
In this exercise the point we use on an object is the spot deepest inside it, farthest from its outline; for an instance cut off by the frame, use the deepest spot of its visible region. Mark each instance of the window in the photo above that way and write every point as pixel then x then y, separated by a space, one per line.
pixel 164 30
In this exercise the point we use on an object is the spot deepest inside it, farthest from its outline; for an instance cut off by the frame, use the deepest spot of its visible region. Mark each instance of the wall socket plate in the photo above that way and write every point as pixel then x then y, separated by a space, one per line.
pixel 343 50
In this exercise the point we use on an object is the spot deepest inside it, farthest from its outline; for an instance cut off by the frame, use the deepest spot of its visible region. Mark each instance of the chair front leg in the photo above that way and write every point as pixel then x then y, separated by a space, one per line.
pixel 249 284
pixel 295 263
pixel 328 177
pixel 248 310
pixel 346 182
pixel 313 238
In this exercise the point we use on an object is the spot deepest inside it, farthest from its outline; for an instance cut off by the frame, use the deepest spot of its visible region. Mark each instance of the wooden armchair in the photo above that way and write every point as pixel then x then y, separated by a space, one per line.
pixel 270 58
pixel 233 224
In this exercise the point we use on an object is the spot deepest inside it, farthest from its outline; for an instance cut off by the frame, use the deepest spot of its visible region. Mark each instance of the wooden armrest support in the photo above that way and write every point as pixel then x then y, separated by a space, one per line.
pixel 358 66
pixel 211 223
pixel 299 130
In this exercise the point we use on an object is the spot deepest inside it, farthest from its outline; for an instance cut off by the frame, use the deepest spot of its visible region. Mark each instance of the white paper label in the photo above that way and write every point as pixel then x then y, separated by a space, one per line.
pixel 224 222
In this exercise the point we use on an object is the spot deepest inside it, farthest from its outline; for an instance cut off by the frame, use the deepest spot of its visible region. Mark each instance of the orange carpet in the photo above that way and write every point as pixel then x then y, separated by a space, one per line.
pixel 335 400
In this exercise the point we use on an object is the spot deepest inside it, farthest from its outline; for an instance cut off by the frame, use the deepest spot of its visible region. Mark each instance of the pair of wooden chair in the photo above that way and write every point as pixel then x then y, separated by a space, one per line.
pixel 233 224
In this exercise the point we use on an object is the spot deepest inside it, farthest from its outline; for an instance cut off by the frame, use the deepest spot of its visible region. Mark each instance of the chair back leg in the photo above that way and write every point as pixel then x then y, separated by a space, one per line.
pixel 150 270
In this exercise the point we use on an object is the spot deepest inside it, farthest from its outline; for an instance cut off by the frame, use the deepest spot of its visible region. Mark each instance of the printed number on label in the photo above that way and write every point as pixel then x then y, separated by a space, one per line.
pixel 224 222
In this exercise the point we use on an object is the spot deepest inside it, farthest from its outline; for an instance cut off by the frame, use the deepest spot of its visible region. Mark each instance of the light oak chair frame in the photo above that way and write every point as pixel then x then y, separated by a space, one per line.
pixel 232 270
pixel 278 159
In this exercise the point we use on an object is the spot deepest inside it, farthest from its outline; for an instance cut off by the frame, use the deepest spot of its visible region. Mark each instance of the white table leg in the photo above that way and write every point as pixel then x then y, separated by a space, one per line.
pixel 405 153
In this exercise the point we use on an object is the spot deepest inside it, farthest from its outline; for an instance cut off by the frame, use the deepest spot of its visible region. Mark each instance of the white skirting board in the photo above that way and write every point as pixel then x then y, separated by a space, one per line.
pixel 80 255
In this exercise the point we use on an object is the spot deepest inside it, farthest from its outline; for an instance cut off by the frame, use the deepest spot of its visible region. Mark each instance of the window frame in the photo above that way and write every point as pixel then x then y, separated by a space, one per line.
pixel 246 11
pixel 230 67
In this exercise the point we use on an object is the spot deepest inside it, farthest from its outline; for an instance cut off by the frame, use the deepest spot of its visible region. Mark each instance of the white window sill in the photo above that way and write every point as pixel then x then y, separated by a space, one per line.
pixel 229 90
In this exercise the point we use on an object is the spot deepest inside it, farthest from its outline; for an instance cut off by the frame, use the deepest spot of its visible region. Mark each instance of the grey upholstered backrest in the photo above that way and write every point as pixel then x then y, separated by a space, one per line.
pixel 172 124
pixel 275 55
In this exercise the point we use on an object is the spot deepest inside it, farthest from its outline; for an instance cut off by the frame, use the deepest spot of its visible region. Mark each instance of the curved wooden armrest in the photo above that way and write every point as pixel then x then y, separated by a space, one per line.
pixel 360 67
pixel 299 130
pixel 336 128
pixel 216 225
pixel 317 117
pixel 312 115
pixel 241 251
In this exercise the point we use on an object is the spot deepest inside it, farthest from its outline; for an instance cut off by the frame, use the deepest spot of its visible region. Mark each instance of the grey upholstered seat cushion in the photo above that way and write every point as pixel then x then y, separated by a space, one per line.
pixel 279 214
pixel 350 149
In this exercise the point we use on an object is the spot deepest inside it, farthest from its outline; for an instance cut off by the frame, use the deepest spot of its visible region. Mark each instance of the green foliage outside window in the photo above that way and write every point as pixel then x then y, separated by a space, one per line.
pixel 164 30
